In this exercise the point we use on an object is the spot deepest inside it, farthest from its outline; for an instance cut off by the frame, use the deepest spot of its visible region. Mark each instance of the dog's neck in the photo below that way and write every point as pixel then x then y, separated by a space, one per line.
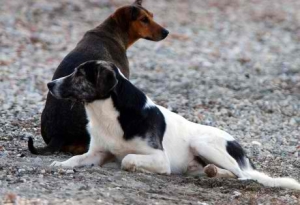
pixel 125 97
pixel 102 111
pixel 111 29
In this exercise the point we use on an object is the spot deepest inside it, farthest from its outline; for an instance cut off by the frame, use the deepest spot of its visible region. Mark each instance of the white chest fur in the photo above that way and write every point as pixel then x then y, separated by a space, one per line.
pixel 103 119
pixel 107 133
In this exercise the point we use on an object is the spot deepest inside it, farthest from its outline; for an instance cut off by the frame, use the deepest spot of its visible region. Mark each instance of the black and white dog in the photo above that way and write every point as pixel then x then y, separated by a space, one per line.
pixel 126 125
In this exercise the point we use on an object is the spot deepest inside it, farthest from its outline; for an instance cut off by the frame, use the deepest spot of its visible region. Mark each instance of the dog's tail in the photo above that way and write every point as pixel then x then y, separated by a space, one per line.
pixel 272 182
pixel 248 169
pixel 53 146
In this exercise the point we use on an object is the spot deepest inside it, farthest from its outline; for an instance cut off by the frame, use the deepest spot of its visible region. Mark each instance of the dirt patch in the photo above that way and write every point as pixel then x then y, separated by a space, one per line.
pixel 233 64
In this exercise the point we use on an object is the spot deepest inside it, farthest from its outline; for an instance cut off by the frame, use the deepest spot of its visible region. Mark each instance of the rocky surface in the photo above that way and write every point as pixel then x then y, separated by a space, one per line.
pixel 232 64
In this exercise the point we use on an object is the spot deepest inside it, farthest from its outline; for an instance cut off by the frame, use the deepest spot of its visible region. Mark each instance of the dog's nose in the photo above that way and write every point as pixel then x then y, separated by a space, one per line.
pixel 164 33
pixel 50 85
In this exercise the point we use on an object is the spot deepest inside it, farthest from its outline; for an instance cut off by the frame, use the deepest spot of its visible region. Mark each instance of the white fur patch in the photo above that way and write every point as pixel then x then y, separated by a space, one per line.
pixel 121 73
pixel 149 103
pixel 107 133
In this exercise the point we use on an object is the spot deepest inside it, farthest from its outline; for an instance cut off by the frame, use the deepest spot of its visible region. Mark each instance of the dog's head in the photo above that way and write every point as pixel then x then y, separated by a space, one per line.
pixel 139 23
pixel 92 80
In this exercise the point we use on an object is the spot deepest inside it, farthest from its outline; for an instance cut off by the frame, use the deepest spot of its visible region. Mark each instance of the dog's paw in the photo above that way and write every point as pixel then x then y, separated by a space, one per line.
pixel 211 170
pixel 61 164
pixel 56 164
pixel 128 163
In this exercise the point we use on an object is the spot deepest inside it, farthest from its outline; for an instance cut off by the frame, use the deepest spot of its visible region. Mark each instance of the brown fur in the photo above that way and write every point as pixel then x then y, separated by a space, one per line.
pixel 138 29
pixel 74 149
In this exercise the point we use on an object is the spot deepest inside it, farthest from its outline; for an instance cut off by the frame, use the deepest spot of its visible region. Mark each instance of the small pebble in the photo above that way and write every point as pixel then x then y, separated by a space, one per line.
pixel 256 143
pixel 20 155
pixel 236 194
pixel 70 171
pixel 21 170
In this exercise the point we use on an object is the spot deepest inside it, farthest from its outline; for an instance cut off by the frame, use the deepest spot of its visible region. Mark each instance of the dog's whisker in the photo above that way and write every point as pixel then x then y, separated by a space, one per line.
pixel 72 105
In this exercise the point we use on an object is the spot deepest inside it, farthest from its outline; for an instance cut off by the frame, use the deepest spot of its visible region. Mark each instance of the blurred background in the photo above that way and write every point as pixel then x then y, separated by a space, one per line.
pixel 233 64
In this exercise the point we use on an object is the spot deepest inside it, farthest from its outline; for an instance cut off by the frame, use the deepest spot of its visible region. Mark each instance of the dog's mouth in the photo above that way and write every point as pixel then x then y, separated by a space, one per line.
pixel 160 37
pixel 54 95
pixel 75 101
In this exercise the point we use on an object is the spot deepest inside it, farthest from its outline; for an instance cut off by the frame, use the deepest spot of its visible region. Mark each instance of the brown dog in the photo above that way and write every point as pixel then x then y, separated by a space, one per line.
pixel 63 123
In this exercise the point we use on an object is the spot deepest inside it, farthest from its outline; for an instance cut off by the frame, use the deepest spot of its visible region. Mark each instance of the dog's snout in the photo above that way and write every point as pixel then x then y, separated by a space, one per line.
pixel 51 85
pixel 164 33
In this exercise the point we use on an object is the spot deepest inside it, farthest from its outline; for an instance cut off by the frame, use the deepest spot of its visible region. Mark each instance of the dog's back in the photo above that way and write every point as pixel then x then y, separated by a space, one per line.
pixel 96 44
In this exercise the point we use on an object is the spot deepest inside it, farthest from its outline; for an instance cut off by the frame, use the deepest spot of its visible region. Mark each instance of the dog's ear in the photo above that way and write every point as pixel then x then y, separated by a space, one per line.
pixel 125 15
pixel 134 13
pixel 88 70
pixel 138 2
pixel 106 81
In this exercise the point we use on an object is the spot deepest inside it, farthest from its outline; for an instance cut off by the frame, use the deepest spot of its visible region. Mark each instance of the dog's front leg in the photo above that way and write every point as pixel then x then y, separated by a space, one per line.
pixel 89 158
pixel 153 163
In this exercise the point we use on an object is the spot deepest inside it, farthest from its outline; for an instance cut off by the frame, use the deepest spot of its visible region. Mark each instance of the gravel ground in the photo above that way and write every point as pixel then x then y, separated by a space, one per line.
pixel 232 64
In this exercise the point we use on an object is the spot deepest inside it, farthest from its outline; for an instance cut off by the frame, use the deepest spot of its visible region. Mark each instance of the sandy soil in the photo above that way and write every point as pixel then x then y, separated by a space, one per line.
pixel 233 64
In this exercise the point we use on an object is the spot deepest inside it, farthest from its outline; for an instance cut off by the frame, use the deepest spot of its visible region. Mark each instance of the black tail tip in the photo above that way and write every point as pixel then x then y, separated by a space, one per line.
pixel 31 147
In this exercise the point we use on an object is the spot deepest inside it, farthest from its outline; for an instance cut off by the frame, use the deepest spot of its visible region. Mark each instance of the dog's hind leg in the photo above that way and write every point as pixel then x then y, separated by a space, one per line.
pixel 153 163
pixel 198 167
pixel 213 171
pixel 216 154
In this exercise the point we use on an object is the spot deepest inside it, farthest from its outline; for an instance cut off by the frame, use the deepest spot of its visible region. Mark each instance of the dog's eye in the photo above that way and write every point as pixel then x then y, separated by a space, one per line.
pixel 145 20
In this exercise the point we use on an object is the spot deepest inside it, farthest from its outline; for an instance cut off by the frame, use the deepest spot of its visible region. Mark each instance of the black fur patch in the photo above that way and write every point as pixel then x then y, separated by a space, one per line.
pixel 236 151
pixel 90 81
pixel 134 13
pixel 135 120
pixel 200 161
